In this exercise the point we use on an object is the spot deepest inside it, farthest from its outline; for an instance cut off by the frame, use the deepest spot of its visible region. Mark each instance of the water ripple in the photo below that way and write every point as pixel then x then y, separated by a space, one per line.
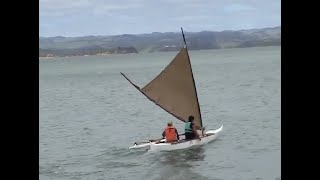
pixel 90 115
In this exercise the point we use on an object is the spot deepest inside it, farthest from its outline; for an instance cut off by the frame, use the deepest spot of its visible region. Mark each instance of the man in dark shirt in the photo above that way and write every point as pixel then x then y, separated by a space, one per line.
pixel 191 129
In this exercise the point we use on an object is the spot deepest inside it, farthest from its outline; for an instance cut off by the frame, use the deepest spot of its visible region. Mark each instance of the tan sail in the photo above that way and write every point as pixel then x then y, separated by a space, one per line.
pixel 174 89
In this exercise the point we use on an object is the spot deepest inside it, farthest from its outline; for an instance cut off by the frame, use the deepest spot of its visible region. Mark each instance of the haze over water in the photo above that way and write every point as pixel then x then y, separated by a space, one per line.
pixel 90 115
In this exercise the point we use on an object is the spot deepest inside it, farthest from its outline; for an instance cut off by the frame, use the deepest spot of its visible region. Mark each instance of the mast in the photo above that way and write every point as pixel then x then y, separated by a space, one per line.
pixel 194 84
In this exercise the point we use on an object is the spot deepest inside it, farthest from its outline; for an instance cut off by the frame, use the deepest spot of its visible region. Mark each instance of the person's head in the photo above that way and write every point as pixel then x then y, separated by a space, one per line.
pixel 169 124
pixel 191 118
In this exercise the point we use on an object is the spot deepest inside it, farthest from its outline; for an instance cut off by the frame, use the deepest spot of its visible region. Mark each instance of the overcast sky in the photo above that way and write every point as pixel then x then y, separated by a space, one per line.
pixel 111 17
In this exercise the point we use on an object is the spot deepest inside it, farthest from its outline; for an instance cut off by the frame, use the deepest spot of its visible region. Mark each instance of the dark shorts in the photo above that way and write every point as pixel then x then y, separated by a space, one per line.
pixel 190 136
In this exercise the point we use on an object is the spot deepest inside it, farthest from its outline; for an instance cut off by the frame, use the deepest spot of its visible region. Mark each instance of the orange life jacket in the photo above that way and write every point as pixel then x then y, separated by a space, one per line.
pixel 170 134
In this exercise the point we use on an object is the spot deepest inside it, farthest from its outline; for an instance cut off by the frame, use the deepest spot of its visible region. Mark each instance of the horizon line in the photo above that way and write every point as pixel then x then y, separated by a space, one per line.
pixel 156 32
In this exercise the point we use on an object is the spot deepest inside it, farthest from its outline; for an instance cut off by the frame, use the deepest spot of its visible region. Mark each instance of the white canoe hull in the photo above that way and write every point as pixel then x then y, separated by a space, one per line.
pixel 210 135
pixel 140 146
pixel 146 145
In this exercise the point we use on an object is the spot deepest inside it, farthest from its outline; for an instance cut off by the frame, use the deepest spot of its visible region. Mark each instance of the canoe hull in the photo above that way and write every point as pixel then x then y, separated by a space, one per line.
pixel 212 135
pixel 209 136
pixel 146 145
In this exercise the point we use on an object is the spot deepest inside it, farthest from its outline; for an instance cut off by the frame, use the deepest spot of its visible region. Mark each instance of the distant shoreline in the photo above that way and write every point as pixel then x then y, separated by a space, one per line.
pixel 55 57
pixel 157 42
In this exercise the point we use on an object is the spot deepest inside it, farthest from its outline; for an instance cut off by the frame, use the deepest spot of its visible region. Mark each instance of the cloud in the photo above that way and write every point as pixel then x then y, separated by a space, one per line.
pixel 107 9
pixel 188 18
pixel 51 7
pixel 233 8
pixel 57 5
pixel 102 17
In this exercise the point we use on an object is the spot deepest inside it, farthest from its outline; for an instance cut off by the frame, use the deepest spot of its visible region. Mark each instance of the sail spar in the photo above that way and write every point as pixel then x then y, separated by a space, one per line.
pixel 174 89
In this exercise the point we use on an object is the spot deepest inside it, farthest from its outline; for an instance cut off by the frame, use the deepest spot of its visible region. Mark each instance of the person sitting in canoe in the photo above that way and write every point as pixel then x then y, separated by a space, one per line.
pixel 170 133
pixel 191 129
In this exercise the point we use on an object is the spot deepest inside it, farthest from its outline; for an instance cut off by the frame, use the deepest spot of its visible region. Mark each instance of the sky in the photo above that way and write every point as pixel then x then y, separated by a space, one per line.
pixel 72 18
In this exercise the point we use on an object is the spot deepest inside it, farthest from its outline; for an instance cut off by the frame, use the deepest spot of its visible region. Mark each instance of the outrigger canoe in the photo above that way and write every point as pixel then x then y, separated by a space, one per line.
pixel 209 136
pixel 174 90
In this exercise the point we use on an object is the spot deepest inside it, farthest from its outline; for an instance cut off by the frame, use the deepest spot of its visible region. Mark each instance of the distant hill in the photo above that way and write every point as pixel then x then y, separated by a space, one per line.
pixel 154 42
pixel 90 50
